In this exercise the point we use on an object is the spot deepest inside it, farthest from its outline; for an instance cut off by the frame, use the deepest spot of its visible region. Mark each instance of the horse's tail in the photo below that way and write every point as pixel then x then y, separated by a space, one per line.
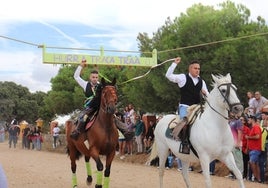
pixel 153 154
pixel 68 127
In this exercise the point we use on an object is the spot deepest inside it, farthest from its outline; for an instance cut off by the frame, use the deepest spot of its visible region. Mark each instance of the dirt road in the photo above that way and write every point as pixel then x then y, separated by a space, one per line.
pixel 42 169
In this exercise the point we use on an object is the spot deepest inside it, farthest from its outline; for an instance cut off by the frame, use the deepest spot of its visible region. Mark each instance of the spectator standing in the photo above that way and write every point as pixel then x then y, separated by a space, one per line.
pixel 258 103
pixel 39 138
pixel 149 137
pixel 25 137
pixel 254 144
pixel 139 128
pixel 129 140
pixel 126 113
pixel 245 149
pixel 33 136
pixel 121 144
pixel 263 155
pixel 237 132
pixel 55 134
pixel 249 111
pixel 2 133
pixel 13 132
pixel 131 113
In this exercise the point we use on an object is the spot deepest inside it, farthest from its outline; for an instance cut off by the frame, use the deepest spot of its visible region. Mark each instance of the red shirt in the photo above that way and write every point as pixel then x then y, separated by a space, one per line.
pixel 255 144
pixel 246 131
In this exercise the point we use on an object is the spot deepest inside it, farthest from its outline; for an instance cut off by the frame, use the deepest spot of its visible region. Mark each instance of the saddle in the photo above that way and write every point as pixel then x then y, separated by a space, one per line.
pixel 177 125
pixel 91 120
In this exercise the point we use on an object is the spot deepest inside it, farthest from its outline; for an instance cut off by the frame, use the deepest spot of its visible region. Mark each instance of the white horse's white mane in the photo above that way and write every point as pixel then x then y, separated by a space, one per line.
pixel 220 79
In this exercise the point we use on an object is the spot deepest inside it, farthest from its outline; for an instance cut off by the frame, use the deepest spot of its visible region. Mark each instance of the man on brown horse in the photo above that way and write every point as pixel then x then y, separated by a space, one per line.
pixel 190 85
pixel 92 89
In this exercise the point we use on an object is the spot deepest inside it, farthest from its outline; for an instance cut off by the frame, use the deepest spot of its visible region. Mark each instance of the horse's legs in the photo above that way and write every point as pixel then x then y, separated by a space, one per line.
pixel 109 159
pixel 230 163
pixel 99 172
pixel 204 161
pixel 73 168
pixel 89 172
pixel 162 154
pixel 185 173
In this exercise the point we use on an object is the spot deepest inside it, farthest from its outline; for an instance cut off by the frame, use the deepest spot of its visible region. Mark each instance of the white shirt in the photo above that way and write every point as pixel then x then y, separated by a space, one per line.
pixel 56 131
pixel 78 79
pixel 180 79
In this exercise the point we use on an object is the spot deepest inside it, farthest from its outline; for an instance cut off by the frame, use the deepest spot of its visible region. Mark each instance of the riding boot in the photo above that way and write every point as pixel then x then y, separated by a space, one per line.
pixel 185 145
pixel 81 123
pixel 79 129
pixel 178 128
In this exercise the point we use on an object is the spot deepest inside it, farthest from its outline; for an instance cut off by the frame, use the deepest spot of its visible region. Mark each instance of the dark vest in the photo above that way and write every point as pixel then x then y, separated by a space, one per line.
pixel 93 98
pixel 190 93
pixel 89 92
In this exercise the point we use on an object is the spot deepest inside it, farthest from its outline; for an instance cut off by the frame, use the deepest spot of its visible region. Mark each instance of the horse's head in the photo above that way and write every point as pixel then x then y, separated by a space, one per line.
pixel 108 96
pixel 226 94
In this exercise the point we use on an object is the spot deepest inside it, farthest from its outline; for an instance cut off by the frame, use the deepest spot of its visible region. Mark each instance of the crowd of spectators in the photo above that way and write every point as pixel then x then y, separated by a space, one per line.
pixel 142 132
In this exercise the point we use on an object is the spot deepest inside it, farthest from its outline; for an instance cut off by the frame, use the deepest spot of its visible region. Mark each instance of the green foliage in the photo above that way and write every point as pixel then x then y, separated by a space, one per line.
pixel 216 37
pixel 17 102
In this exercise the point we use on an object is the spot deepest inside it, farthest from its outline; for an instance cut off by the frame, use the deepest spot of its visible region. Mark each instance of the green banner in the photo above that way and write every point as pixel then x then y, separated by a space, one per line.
pixel 60 58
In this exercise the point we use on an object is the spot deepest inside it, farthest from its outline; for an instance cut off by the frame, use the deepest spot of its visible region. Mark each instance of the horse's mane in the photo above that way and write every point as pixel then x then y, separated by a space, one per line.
pixel 220 79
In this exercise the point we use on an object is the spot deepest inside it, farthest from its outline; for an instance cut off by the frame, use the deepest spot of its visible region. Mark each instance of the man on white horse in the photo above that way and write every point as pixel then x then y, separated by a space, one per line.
pixel 191 86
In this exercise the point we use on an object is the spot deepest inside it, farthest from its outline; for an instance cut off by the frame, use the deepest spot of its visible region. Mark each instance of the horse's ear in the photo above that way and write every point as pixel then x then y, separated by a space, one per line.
pixel 228 76
pixel 114 81
pixel 214 78
pixel 103 81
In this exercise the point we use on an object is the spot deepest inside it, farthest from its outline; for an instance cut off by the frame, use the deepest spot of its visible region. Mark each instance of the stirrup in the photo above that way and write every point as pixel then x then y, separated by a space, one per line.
pixel 75 134
pixel 184 147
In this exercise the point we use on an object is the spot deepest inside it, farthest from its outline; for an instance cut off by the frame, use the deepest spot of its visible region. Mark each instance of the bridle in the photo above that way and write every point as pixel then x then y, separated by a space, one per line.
pixel 106 107
pixel 225 94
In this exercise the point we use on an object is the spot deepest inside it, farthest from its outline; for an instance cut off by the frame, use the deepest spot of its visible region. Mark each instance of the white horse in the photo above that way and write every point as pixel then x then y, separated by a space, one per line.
pixel 210 135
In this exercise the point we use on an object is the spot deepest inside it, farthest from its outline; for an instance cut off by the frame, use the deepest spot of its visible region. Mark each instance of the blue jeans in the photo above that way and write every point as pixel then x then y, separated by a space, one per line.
pixel 212 167
pixel 262 164
pixel 182 111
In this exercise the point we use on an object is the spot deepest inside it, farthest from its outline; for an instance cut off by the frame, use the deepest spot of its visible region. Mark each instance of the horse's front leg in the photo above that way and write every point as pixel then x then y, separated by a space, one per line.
pixel 185 172
pixel 204 161
pixel 89 171
pixel 109 160
pixel 99 172
pixel 230 163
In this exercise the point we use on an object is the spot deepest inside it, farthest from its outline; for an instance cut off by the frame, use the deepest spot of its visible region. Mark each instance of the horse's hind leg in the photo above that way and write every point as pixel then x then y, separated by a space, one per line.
pixel 73 168
pixel 230 163
pixel 89 171
pixel 162 154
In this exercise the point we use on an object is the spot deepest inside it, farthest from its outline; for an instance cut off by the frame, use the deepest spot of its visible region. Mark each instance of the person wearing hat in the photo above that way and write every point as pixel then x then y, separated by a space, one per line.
pixel 191 86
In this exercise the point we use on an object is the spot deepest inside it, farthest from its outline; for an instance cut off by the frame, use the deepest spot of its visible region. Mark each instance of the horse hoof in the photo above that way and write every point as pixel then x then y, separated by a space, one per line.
pixel 98 186
pixel 89 180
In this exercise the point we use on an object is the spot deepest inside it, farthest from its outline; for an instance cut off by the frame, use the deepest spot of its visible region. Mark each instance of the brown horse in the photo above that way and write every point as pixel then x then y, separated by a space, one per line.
pixel 100 139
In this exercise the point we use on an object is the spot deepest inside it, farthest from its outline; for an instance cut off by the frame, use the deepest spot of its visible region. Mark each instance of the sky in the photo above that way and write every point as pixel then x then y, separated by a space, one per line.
pixel 85 24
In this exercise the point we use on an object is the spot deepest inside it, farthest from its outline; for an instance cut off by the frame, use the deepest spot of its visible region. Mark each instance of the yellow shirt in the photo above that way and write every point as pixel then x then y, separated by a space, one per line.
pixel 263 138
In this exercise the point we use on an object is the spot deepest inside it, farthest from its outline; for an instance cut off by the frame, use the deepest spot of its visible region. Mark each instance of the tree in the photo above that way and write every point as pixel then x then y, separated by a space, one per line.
pixel 193 35
pixel 17 102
